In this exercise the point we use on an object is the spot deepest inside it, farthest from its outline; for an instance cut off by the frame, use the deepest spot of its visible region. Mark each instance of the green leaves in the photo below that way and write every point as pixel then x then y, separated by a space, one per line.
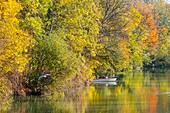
pixel 52 55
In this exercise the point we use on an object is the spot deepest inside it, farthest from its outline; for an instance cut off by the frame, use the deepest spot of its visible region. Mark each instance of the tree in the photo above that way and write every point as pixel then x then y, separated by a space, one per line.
pixel 71 23
pixel 136 36
pixel 162 23
pixel 15 44
pixel 79 23
pixel 113 20
pixel 148 22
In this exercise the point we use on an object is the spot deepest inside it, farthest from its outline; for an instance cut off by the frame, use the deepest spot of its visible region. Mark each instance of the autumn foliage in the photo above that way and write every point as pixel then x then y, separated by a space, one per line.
pixel 74 40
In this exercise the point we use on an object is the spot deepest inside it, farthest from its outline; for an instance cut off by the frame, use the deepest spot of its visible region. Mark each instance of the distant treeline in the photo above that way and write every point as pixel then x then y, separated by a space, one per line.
pixel 74 40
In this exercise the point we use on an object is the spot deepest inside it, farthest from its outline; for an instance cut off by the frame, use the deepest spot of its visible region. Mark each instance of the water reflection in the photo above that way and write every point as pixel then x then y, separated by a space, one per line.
pixel 105 83
pixel 135 93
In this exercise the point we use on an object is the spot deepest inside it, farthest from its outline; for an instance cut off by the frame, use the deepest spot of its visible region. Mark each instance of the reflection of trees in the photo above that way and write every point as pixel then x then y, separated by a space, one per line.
pixel 140 93
pixel 135 93
pixel 30 105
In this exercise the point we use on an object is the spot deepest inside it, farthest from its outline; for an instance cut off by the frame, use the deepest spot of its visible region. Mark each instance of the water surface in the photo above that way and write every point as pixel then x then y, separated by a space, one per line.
pixel 137 92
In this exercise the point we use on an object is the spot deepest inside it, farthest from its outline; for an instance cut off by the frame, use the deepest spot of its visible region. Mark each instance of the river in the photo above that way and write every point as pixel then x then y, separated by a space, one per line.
pixel 136 92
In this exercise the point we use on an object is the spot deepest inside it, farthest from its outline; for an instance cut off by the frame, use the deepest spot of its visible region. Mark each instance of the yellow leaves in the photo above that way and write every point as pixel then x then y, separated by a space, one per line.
pixel 123 52
pixel 64 2
pixel 15 41
pixel 123 45
pixel 79 23
pixel 135 19
pixel 9 9
pixel 136 15
pixel 88 68
pixel 164 30
pixel 164 44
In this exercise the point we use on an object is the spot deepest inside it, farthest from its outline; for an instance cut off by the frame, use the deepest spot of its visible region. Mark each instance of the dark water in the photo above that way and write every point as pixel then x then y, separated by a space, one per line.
pixel 136 92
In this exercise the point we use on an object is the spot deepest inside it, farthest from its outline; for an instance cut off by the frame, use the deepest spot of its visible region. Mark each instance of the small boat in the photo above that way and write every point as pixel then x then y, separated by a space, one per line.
pixel 44 76
pixel 112 79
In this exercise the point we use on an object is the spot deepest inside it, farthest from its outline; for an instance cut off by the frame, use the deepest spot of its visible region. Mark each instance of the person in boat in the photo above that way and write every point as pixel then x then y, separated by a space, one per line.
pixel 103 77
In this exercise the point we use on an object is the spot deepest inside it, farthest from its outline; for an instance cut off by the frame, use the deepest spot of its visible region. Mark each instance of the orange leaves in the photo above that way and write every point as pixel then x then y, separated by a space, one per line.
pixel 123 55
pixel 149 23
pixel 152 38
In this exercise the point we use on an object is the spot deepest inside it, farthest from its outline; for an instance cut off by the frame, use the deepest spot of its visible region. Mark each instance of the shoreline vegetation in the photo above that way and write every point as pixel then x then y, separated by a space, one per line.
pixel 76 41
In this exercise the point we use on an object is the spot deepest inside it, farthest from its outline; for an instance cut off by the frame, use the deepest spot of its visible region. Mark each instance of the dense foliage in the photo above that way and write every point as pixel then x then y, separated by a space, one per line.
pixel 74 40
